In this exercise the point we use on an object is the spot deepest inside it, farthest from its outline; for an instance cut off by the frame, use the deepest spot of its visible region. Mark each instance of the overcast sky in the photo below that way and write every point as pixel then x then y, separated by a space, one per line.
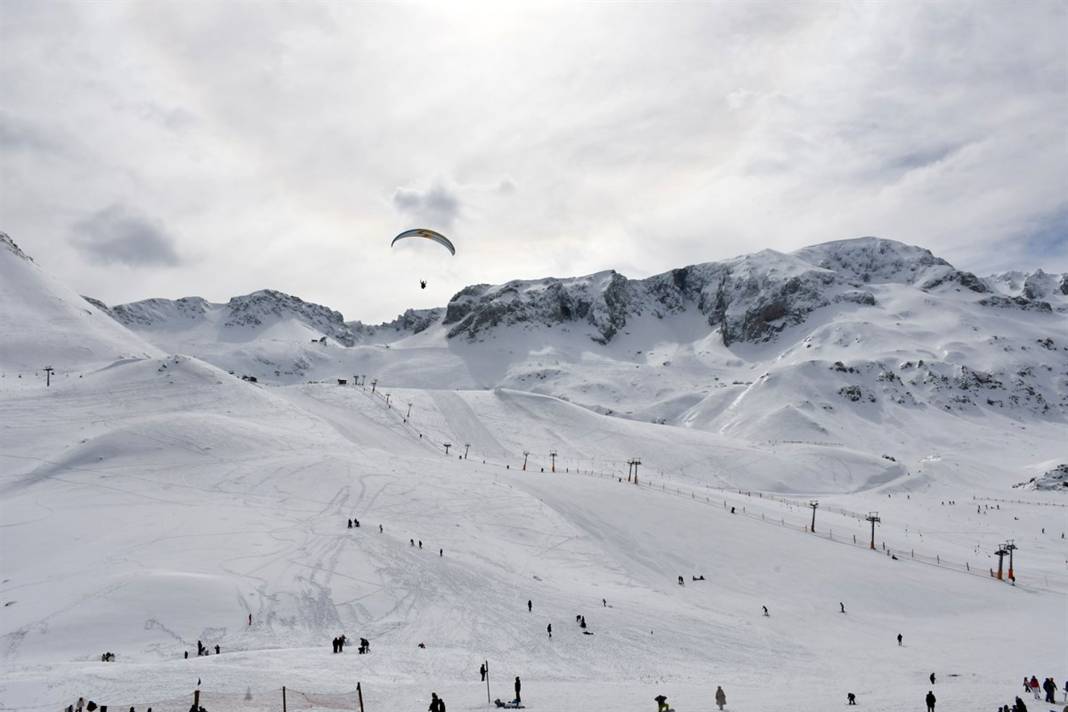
pixel 214 148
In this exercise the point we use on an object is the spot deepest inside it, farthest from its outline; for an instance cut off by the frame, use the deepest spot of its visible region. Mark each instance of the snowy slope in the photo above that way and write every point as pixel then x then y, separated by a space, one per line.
pixel 152 502
pixel 44 323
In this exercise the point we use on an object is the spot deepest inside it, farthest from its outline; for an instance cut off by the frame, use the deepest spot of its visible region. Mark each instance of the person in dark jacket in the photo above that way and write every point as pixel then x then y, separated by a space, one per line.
pixel 518 685
pixel 930 700
pixel 482 671
pixel 721 697
pixel 932 678
pixel 436 703
pixel 549 630
pixel 1019 706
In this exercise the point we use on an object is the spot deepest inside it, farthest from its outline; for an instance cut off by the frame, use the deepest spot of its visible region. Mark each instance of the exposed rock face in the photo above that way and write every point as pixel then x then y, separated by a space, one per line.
pixel 8 243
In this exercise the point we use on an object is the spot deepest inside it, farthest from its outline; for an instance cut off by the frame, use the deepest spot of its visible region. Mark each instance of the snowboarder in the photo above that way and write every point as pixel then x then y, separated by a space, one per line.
pixel 765 611
pixel 851 698
pixel 899 640
pixel 930 700
pixel 549 630
pixel 518 685
pixel 661 704
pixel 530 606
pixel 482 671
pixel 721 697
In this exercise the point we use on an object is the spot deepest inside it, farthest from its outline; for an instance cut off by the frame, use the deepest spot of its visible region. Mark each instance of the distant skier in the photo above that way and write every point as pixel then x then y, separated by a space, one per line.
pixel 842 606
pixel 930 700
pixel 441 553
pixel 851 698
pixel 518 685
pixel 604 603
pixel 682 581
pixel 932 678
pixel 250 619
pixel 411 542
pixel 765 611
pixel 217 649
pixel 420 543
pixel 899 640
pixel 582 622
pixel 436 703
pixel 356 522
pixel 549 630
pixel 530 606
pixel 661 704
pixel 350 524
pixel 380 530
pixel 721 697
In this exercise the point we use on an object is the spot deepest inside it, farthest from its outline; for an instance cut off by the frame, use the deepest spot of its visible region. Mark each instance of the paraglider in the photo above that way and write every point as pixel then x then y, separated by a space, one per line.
pixel 426 234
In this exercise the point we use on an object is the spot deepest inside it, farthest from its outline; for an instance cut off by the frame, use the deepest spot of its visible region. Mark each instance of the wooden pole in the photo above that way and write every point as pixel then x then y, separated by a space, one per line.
pixel 486 663
pixel 283 698
pixel 359 691
pixel 196 698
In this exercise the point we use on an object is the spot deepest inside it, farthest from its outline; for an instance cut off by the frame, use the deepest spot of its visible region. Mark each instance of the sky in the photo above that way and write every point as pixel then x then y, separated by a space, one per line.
pixel 168 149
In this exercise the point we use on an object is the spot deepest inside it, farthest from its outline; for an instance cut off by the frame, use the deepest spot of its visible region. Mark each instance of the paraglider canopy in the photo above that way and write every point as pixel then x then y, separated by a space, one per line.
pixel 427 235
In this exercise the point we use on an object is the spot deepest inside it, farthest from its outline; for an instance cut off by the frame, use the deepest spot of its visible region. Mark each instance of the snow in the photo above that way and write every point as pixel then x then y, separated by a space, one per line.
pixel 148 500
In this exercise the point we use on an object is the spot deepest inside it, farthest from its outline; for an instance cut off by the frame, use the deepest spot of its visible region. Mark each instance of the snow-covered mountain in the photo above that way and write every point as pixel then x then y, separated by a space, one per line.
pixel 151 501
pixel 845 341
pixel 45 323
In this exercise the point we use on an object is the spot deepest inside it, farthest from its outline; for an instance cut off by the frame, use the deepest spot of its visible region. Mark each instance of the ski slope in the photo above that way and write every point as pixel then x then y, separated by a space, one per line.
pixel 160 501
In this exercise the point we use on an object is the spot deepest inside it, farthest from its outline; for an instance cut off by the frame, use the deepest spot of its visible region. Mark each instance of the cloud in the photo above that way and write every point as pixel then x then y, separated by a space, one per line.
pixel 561 138
pixel 437 207
pixel 119 235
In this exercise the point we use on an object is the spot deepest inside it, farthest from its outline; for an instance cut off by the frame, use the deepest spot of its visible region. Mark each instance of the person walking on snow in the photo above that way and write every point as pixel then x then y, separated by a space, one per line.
pixel 530 606
pixel 899 640
pixel 661 704
pixel 765 611
pixel 436 703
pixel 932 678
pixel 549 630
pixel 482 671
pixel 721 697
pixel 518 685
pixel 930 700
pixel 1034 687
pixel 842 606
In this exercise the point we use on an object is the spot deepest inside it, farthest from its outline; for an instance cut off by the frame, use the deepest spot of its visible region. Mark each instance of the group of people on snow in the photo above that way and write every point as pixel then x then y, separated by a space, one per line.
pixel 341 641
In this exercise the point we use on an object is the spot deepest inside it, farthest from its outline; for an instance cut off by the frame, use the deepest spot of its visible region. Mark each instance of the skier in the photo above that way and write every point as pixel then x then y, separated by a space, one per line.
pixel 549 629
pixel 518 685
pixel 350 524
pixel 582 622
pixel 380 529
pixel 216 649
pixel 765 611
pixel 851 698
pixel 411 542
pixel 930 700
pixel 932 678
pixel 530 606
pixel 441 553
pixel 482 671
pixel 420 543
pixel 899 640
pixel 842 606
pixel 604 603
pixel 721 697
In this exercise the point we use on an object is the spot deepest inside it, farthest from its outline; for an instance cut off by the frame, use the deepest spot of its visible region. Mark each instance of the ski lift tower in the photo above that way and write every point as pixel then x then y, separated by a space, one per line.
pixel 526 454
pixel 632 464
pixel 467 446
pixel 1011 547
pixel 447 446
pixel 552 456
pixel 1000 553
pixel 48 375
pixel 873 517
pixel 814 504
